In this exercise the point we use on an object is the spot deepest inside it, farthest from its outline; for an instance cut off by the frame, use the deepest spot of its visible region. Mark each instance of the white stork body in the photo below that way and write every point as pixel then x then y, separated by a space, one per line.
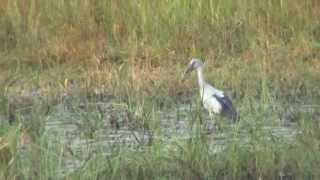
pixel 214 100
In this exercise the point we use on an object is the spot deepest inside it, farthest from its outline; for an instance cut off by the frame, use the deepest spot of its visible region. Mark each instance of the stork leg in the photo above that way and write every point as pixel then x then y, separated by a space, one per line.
pixel 211 115
pixel 210 126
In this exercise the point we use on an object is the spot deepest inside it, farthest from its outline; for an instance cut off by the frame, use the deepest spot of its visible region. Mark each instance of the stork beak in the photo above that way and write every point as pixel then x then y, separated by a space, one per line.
pixel 188 70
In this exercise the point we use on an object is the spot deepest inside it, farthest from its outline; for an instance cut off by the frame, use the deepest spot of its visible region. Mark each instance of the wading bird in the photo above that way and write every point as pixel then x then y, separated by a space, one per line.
pixel 214 100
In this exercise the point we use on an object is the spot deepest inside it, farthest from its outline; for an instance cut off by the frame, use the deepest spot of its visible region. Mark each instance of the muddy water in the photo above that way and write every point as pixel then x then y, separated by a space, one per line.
pixel 103 127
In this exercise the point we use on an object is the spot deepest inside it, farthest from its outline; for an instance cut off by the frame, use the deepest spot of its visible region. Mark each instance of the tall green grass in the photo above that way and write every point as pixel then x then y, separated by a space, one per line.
pixel 140 22
pixel 265 54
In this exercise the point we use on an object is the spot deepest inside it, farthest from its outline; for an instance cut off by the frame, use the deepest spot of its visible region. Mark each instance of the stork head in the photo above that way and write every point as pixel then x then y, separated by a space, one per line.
pixel 193 64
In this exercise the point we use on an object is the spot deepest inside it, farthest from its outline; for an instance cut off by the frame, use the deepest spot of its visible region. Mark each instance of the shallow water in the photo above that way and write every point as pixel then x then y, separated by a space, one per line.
pixel 87 131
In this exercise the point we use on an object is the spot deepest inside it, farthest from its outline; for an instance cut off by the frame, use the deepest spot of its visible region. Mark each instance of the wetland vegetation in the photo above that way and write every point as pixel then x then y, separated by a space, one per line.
pixel 91 89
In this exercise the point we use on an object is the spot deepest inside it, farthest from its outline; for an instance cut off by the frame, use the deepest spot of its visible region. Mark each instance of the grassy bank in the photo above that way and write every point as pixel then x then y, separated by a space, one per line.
pixel 265 54
pixel 99 42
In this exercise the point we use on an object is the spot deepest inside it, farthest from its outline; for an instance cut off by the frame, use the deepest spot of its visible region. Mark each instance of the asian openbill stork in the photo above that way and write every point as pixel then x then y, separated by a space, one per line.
pixel 214 100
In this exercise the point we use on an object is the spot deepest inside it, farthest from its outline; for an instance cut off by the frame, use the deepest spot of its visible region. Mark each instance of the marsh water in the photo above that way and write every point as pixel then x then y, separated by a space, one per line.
pixel 86 130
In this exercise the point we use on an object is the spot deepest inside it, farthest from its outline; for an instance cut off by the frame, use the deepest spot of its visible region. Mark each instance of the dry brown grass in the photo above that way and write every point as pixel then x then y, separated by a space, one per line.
pixel 85 43
pixel 3 7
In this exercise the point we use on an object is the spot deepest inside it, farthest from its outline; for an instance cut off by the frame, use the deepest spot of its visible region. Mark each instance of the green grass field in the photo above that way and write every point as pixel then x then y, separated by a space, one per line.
pixel 86 54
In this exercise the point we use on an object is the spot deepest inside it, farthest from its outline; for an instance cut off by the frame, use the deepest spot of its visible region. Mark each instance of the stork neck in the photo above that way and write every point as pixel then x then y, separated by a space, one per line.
pixel 201 80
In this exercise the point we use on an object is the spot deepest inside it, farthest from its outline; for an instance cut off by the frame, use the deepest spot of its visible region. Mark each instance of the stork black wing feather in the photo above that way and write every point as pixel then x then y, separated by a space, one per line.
pixel 227 106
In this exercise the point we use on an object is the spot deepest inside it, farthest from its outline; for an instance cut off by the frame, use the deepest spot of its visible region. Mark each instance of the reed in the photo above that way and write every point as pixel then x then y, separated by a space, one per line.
pixel 63 59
